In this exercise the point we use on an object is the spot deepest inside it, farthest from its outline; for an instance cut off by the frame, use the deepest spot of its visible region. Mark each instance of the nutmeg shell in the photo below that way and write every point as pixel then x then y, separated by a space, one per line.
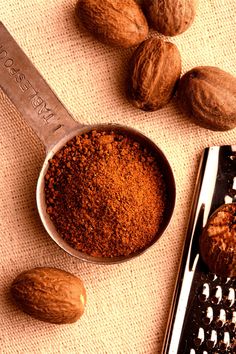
pixel 114 22
pixel 207 94
pixel 218 241
pixel 154 71
pixel 170 17
pixel 50 294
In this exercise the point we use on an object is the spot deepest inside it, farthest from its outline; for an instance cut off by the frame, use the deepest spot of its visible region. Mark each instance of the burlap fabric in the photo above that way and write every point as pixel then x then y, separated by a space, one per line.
pixel 128 304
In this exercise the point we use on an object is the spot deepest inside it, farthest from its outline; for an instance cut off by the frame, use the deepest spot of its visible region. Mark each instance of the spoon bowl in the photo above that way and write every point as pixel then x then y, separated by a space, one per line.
pixel 164 168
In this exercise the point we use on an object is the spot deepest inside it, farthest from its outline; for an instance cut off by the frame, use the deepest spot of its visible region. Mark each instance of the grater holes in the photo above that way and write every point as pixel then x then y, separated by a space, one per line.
pixel 216 295
pixel 208 318
pixel 224 344
pixel 221 318
pixel 204 293
pixel 214 316
pixel 229 297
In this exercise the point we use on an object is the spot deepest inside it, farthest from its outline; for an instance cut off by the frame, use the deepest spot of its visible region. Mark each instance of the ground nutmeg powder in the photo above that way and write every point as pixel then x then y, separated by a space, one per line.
pixel 105 194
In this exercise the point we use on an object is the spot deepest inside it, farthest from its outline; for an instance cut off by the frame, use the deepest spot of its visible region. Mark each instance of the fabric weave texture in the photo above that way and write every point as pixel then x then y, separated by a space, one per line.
pixel 128 304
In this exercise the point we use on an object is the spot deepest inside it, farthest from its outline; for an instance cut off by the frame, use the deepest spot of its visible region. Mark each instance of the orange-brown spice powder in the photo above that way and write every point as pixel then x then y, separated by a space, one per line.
pixel 105 194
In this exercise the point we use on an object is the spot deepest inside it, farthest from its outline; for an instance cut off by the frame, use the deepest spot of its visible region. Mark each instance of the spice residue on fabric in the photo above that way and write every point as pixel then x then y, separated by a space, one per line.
pixel 105 194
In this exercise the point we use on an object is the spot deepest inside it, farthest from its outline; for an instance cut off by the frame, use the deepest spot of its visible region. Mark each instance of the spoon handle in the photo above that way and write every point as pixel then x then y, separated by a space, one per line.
pixel 31 95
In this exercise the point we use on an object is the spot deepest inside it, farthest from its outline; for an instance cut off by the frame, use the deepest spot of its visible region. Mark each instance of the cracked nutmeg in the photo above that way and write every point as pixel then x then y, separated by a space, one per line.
pixel 218 241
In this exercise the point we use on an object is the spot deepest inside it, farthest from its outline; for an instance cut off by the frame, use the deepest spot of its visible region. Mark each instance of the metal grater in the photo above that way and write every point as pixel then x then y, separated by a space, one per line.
pixel 203 313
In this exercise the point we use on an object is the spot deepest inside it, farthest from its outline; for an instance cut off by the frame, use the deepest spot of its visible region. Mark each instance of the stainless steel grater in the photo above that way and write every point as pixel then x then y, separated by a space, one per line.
pixel 203 312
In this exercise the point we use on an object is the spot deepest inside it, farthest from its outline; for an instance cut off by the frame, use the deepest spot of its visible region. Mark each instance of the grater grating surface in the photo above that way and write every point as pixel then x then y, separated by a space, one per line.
pixel 203 314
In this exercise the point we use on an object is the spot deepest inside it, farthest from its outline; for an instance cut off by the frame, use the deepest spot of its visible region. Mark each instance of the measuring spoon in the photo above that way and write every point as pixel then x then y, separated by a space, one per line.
pixel 54 125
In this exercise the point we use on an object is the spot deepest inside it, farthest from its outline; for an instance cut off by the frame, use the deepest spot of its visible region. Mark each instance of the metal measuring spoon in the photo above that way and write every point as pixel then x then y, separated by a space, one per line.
pixel 54 125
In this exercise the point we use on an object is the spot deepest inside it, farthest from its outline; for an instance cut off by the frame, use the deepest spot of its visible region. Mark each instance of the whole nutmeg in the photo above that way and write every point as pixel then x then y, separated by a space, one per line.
pixel 208 95
pixel 218 241
pixel 50 295
pixel 114 22
pixel 170 17
pixel 155 68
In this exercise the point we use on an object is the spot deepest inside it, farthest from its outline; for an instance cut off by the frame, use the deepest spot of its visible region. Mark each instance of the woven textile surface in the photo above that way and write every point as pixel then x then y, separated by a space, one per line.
pixel 128 304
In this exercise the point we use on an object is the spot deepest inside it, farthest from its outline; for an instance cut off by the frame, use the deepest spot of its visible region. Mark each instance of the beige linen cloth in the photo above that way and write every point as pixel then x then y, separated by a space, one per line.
pixel 128 304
